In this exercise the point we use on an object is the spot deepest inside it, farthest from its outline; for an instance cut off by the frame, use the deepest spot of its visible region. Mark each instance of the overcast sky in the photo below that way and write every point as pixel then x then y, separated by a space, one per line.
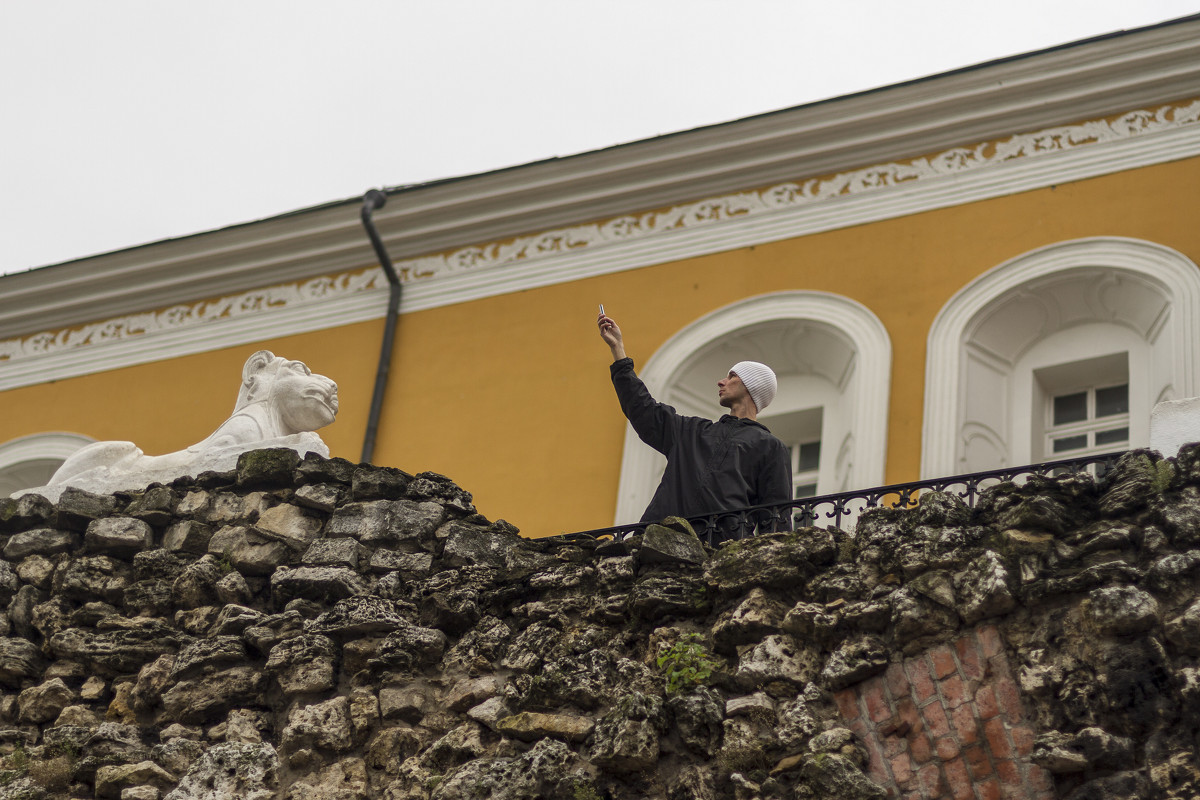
pixel 129 121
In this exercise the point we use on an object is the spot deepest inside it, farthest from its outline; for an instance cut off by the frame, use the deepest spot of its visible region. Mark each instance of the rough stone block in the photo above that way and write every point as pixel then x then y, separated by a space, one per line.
pixel 408 565
pixel 194 504
pixel 115 781
pixel 360 616
pixel 303 664
pixel 755 617
pixel 40 541
pixel 368 519
pixel 332 553
pixel 122 537
pixel 404 703
pixel 626 738
pixel 207 655
pixel 663 595
pixel 468 544
pixel 530 726
pixel 471 692
pixel 155 506
pixel 322 584
pixel 314 468
pixel 290 525
pixel 268 468
pixel 196 585
pixel 233 769
pixel 234 588
pixel 411 526
pixel 756 706
pixel 375 483
pixel 1120 610
pixel 44 702
pixel 669 545
pixel 248 551
pixel 439 488
pixel 772 561
pixel 776 658
pixel 490 712
pixel 855 660
pixel 92 578
pixel 233 619
pixel 77 508
pixel 319 496
pixel 210 696
pixel 24 512
pixel 228 508
pixel 412 646
pixel 10 582
pixel 325 725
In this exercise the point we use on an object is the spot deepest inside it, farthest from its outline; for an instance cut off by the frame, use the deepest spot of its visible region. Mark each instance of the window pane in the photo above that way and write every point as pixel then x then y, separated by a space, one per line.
pixel 1113 400
pixel 806 490
pixel 1070 408
pixel 1114 436
pixel 810 456
pixel 1070 443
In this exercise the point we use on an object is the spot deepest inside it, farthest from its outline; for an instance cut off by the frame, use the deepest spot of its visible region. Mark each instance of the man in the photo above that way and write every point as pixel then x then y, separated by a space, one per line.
pixel 732 463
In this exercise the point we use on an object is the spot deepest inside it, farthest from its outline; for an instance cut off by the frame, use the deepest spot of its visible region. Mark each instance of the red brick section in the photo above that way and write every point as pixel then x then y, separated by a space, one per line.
pixel 948 725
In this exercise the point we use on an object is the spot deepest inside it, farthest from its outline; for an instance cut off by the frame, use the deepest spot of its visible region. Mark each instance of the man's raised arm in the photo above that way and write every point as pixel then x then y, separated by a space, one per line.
pixel 611 334
pixel 654 422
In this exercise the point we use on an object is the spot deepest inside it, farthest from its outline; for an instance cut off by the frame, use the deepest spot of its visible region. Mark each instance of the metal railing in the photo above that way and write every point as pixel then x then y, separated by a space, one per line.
pixel 843 509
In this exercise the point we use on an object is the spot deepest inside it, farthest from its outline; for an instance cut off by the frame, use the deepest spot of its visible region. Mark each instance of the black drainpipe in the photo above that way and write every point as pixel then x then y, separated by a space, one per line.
pixel 372 201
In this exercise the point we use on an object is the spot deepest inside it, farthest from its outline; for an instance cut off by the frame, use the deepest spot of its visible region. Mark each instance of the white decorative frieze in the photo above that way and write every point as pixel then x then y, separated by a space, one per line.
pixel 553 246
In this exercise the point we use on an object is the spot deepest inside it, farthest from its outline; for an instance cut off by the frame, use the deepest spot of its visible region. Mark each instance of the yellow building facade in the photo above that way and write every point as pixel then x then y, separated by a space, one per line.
pixel 950 275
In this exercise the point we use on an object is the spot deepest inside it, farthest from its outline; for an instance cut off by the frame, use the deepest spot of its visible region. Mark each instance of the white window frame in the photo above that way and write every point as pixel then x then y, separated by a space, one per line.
pixel 18 455
pixel 1083 376
pixel 806 477
pixel 1170 348
pixel 1088 427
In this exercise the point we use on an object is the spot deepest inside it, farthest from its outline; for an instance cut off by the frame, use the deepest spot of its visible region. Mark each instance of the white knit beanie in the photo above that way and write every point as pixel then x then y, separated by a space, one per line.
pixel 759 381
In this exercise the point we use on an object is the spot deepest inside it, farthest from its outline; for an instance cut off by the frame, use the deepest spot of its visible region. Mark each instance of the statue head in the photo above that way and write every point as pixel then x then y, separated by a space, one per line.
pixel 298 398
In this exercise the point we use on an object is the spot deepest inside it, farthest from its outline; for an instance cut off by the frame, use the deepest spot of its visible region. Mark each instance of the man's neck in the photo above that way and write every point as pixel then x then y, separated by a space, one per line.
pixel 744 409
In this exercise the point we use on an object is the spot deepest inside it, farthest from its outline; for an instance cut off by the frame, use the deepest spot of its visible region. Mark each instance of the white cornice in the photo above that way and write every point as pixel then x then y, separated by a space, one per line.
pixel 882 191
pixel 1145 68
pixel 1085 80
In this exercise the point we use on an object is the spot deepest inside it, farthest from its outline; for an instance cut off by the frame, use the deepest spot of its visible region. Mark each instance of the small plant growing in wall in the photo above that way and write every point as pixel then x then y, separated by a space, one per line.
pixel 13 766
pixel 686 664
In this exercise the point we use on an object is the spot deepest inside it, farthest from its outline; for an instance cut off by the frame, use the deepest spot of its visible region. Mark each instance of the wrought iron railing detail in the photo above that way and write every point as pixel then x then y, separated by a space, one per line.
pixel 842 509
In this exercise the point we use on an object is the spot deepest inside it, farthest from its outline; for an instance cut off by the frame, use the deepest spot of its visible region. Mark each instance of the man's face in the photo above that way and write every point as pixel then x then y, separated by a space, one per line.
pixel 730 390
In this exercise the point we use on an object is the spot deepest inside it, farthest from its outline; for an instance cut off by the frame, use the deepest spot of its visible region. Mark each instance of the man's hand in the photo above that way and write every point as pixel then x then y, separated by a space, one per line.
pixel 611 334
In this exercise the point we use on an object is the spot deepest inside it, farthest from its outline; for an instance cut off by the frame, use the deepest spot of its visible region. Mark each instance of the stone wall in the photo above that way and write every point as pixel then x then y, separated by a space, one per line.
pixel 315 629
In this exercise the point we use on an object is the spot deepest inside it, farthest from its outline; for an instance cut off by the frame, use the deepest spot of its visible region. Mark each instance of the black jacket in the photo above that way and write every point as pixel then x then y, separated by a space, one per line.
pixel 711 466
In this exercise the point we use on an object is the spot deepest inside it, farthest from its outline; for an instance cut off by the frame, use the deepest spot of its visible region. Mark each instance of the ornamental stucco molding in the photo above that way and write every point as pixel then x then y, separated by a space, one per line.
pixel 790 195
pixel 191 316
pixel 566 254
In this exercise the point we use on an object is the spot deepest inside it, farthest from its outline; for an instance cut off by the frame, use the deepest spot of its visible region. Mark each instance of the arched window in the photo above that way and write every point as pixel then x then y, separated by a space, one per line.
pixel 1062 351
pixel 31 461
pixel 833 359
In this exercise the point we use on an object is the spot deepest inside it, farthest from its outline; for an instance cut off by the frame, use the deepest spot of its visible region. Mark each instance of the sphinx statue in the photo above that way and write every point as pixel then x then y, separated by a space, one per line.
pixel 279 404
